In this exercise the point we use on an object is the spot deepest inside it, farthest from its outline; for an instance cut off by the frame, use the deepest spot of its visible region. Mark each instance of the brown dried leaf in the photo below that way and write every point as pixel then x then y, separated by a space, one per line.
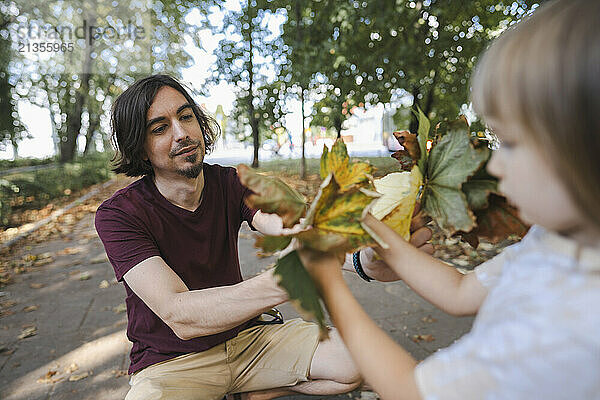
pixel 78 377
pixel 422 338
pixel 121 308
pixel 48 377
pixel 70 250
pixel 498 221
pixel 410 143
pixel 36 285
pixel 28 332
pixel 71 368
pixel 271 195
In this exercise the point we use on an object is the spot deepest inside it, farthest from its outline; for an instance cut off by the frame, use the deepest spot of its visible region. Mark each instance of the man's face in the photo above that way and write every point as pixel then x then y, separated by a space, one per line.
pixel 174 141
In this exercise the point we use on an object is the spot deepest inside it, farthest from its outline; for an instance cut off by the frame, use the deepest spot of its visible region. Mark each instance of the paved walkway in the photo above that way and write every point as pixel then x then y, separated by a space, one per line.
pixel 62 319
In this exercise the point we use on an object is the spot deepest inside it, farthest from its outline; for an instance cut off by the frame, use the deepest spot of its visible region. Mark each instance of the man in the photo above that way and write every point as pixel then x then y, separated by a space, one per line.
pixel 172 240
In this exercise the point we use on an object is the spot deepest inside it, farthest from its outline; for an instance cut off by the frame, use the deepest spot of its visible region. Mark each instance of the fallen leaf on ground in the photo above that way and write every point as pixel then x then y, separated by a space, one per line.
pixel 28 332
pixel 422 338
pixel 31 308
pixel 429 319
pixel 71 368
pixel 104 284
pixel 48 377
pixel 121 308
pixel 84 276
pixel 36 285
pixel 8 303
pixel 99 259
pixel 78 377
pixel 70 250
pixel 42 262
pixel 119 373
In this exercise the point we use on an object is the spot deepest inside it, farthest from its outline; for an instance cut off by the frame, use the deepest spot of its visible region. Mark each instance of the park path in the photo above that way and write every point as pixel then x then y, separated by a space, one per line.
pixel 62 315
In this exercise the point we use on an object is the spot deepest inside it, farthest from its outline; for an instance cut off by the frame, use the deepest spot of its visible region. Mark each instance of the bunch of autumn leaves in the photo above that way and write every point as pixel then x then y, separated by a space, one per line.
pixel 445 172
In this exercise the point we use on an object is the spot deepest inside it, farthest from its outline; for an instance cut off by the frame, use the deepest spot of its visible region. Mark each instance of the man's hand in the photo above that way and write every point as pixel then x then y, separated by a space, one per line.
pixel 377 269
pixel 272 225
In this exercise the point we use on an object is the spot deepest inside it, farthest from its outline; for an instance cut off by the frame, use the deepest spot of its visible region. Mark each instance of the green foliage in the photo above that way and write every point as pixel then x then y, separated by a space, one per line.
pixel 376 51
pixel 301 289
pixel 32 190
pixel 25 162
pixel 79 85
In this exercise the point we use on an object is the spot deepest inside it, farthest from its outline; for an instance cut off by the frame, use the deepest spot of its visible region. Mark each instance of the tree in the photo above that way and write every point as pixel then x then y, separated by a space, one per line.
pixel 11 129
pixel 101 61
pixel 247 55
pixel 373 51
pixel 427 47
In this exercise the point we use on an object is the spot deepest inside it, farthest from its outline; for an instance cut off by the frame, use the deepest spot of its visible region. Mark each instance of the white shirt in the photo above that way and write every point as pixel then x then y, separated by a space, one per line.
pixel 537 334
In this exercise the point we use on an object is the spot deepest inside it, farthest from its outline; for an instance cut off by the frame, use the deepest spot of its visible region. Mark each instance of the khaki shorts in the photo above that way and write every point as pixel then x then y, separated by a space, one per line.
pixel 261 357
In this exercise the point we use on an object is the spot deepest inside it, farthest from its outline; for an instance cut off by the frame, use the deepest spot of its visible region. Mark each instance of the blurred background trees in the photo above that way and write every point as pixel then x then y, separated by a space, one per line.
pixel 330 56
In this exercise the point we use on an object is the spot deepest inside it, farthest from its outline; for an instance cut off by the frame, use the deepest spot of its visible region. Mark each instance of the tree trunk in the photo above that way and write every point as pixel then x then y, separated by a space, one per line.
pixel 414 119
pixel 90 144
pixel 299 37
pixel 68 147
pixel 253 119
pixel 430 97
pixel 337 124
pixel 303 161
pixel 15 146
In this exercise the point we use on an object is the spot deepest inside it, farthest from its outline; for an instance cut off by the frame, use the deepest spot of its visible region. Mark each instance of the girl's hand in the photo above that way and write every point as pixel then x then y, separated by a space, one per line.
pixel 322 267
pixel 420 235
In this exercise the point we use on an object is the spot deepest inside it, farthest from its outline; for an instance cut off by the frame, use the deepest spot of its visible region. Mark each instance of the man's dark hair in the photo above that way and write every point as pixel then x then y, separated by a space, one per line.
pixel 128 122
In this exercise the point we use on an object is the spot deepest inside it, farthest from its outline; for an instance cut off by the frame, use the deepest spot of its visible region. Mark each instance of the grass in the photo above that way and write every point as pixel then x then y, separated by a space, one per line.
pixel 35 189
pixel 291 167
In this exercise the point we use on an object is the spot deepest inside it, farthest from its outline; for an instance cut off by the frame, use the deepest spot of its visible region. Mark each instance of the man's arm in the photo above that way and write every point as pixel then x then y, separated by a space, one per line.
pixel 438 283
pixel 194 313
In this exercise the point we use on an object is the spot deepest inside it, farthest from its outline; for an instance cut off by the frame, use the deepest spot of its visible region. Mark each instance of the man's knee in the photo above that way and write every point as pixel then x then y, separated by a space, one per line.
pixel 332 361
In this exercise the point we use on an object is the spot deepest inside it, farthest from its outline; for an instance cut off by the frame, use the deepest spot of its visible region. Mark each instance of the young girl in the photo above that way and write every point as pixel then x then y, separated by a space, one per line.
pixel 537 331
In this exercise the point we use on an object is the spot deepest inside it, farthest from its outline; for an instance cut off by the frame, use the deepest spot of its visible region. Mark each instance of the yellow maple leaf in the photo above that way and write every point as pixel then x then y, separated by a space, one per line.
pixel 396 206
pixel 347 174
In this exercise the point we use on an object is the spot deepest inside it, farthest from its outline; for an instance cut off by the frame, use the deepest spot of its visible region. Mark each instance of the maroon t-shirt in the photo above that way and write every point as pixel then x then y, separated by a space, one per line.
pixel 137 222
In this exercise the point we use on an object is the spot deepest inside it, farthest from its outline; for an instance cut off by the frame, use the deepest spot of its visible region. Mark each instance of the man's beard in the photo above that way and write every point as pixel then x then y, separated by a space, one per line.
pixel 193 171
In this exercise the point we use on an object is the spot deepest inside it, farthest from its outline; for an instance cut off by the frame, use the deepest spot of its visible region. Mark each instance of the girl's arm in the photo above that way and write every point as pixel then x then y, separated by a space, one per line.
pixel 387 367
pixel 438 283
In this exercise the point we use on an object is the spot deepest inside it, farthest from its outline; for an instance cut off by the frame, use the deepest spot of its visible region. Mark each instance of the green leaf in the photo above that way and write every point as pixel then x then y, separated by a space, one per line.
pixel 271 244
pixel 423 137
pixel 451 162
pixel 324 170
pixel 478 189
pixel 301 289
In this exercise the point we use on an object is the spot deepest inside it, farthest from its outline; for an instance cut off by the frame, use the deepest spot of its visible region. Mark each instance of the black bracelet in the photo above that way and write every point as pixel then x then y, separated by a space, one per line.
pixel 358 267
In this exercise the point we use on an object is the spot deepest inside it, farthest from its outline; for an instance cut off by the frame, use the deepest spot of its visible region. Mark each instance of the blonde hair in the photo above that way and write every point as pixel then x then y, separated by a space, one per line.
pixel 544 74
